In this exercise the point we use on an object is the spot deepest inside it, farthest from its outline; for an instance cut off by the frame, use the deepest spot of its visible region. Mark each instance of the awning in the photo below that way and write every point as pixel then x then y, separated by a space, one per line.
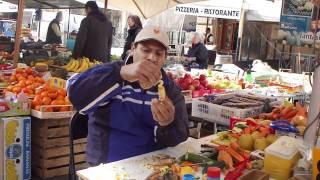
pixel 6 7
pixel 257 10
pixel 146 8
pixel 50 4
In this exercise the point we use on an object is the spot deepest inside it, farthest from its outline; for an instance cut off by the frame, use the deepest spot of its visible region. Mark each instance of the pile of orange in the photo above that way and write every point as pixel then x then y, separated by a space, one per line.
pixel 47 95
pixel 25 80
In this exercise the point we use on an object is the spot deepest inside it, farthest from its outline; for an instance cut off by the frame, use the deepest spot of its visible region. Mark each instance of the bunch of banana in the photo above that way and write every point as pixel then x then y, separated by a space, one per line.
pixel 80 65
pixel 84 65
pixel 72 65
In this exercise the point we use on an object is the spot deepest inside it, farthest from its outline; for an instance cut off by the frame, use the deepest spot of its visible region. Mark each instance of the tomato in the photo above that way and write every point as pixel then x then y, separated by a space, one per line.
pixel 48 109
pixel 19 70
pixel 62 92
pixel 53 95
pixel 31 77
pixel 21 78
pixel 60 97
pixel 29 82
pixel 37 108
pixel 29 70
pixel 26 90
pixel 22 83
pixel 10 88
pixel 25 75
pixel 46 100
pixel 64 108
pixel 44 94
pixel 35 103
pixel 16 89
pixel 13 78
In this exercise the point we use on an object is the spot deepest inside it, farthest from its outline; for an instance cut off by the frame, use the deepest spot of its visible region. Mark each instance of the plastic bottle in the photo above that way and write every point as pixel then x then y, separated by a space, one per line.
pixel 248 76
pixel 188 177
pixel 213 173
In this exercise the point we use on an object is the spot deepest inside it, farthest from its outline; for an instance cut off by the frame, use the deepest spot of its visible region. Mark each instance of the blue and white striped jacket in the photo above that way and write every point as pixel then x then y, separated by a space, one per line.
pixel 120 119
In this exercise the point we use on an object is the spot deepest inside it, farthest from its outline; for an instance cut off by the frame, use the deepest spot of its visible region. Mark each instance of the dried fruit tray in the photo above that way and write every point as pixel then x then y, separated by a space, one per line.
pixel 221 114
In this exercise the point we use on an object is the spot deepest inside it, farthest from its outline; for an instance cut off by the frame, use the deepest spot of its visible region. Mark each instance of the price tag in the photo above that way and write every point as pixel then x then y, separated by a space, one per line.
pixel 57 82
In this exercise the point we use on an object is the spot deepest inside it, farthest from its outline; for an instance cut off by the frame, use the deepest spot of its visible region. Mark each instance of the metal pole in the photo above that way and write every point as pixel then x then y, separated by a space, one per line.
pixel 39 28
pixel 315 30
pixel 68 33
pixel 105 6
pixel 18 34
pixel 240 32
pixel 311 135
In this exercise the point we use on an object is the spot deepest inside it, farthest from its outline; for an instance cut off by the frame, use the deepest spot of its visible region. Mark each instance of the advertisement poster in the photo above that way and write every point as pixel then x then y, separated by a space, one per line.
pixel 296 23
pixel 297 8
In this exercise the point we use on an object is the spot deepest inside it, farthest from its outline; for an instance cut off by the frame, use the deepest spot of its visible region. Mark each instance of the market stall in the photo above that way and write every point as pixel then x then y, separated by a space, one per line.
pixel 263 112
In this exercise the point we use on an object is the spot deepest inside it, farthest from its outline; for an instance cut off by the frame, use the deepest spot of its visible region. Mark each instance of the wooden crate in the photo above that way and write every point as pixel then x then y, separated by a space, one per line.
pixel 50 148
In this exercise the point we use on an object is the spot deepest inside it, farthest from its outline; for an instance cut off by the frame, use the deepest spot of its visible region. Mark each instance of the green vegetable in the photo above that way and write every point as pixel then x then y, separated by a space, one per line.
pixel 241 126
pixel 195 158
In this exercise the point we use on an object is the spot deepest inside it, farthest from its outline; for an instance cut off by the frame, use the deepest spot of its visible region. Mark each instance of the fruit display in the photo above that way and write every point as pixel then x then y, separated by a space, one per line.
pixel 50 99
pixel 238 100
pixel 25 80
pixel 189 83
pixel 80 65
pixel 249 134
pixel 295 115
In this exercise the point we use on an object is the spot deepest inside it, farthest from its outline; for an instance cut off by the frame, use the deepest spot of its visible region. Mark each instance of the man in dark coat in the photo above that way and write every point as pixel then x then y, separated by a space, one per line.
pixel 94 38
pixel 54 33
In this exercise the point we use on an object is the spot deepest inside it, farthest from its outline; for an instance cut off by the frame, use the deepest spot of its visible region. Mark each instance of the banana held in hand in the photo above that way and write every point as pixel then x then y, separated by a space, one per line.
pixel 161 91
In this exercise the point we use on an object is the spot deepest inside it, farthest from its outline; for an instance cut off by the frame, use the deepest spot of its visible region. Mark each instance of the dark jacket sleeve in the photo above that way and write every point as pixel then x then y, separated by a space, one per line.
pixel 81 38
pixel 202 56
pixel 178 130
pixel 95 87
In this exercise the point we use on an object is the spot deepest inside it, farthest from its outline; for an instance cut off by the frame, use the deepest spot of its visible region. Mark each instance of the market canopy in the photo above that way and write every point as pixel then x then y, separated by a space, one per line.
pixel 146 8
pixel 50 4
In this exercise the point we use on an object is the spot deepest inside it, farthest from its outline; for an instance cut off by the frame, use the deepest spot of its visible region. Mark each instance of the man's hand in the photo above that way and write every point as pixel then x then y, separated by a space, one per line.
pixel 163 111
pixel 142 71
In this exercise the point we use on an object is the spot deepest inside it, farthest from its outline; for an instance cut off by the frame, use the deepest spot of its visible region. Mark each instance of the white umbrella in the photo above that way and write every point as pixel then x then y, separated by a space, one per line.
pixel 146 8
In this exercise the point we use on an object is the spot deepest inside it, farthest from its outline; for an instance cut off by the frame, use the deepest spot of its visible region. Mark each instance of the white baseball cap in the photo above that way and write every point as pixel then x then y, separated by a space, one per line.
pixel 153 33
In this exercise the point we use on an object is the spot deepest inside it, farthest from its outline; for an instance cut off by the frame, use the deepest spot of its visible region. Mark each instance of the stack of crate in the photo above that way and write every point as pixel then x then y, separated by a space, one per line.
pixel 51 149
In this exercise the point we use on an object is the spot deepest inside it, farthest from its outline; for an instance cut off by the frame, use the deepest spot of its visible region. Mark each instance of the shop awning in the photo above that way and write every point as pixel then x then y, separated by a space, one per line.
pixel 50 4
pixel 146 8
pixel 257 10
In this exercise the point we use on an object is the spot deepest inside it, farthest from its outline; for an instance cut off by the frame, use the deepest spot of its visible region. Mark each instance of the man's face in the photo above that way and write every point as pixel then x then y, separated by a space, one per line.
pixel 88 10
pixel 151 51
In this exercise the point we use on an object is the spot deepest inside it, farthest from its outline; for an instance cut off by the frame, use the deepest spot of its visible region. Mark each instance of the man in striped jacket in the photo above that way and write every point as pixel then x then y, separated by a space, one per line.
pixel 121 99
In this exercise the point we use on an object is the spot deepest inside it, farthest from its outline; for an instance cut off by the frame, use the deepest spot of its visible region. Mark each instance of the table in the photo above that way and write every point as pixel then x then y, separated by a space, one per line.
pixel 135 167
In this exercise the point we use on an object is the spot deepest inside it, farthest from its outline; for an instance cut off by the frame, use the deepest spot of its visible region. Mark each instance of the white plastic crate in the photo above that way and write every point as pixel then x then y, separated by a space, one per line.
pixel 222 114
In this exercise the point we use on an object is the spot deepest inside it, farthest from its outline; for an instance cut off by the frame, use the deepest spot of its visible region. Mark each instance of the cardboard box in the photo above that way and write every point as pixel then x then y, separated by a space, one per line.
pixel 15 108
pixel 15 148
